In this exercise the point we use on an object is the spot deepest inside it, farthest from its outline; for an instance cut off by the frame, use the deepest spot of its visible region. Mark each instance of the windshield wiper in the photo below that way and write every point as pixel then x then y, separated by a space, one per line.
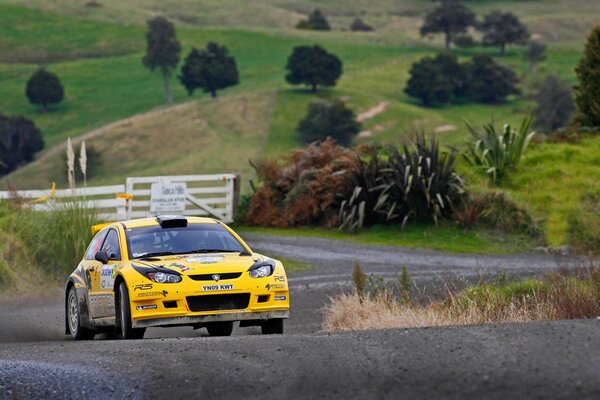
pixel 212 251
pixel 156 254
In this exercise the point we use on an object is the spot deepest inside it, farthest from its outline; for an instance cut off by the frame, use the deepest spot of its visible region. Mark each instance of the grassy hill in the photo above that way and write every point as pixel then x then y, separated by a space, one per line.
pixel 96 49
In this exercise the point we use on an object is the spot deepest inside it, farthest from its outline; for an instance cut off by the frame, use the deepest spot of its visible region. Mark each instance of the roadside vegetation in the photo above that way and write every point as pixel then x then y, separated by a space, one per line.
pixel 561 295
pixel 41 248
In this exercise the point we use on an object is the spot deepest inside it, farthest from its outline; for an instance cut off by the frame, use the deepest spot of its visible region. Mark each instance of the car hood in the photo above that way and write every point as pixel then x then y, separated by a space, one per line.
pixel 191 264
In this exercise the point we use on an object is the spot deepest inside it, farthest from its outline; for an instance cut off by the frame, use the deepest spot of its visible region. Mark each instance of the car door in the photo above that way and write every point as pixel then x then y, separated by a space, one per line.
pixel 102 277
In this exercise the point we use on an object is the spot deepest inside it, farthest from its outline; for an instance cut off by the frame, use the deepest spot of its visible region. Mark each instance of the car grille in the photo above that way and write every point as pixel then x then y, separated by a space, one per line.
pixel 218 302
pixel 209 277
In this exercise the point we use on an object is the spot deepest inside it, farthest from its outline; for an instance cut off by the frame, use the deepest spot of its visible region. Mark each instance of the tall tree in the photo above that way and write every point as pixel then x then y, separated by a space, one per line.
pixel 163 51
pixel 503 28
pixel 313 66
pixel 490 82
pixel 587 93
pixel 210 70
pixel 316 21
pixel 19 141
pixel 554 104
pixel 328 119
pixel 450 17
pixel 536 52
pixel 44 88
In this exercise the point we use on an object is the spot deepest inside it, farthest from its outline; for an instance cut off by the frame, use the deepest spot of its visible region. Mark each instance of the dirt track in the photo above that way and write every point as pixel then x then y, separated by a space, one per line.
pixel 558 359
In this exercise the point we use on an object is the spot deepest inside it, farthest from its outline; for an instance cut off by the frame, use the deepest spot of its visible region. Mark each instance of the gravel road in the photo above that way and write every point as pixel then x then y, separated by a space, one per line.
pixel 553 359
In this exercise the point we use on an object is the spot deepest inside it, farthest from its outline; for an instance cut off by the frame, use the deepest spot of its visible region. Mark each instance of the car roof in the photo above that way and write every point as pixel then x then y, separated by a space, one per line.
pixel 142 222
pixel 151 221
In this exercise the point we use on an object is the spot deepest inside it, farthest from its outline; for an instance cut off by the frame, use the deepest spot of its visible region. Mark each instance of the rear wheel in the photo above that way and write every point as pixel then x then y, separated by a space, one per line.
pixel 220 328
pixel 74 318
pixel 123 316
pixel 272 326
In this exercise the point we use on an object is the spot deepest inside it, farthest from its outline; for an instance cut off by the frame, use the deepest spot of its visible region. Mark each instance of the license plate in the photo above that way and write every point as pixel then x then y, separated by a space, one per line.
pixel 213 288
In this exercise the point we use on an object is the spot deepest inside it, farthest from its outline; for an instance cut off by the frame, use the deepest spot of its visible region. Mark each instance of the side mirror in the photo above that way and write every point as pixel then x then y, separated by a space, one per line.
pixel 102 257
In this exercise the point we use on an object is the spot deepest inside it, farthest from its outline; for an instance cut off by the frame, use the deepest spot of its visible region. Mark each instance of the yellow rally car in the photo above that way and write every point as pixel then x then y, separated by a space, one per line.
pixel 172 271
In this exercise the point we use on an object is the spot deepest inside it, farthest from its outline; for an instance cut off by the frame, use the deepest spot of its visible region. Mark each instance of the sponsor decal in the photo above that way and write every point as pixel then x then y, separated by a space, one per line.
pixel 280 297
pixel 100 298
pixel 279 278
pixel 205 259
pixel 164 293
pixel 148 307
pixel 107 276
pixel 274 286
pixel 212 288
pixel 142 286
pixel 183 268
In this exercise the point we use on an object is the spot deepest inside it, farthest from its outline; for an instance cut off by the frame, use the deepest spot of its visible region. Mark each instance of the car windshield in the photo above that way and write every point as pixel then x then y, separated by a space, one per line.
pixel 195 238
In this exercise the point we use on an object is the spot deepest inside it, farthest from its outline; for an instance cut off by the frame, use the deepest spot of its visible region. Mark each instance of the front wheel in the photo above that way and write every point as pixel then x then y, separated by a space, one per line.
pixel 272 326
pixel 74 318
pixel 123 316
pixel 220 328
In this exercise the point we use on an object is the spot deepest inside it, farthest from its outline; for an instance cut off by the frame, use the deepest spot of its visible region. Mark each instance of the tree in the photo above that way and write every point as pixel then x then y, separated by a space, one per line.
pixel 19 141
pixel 329 119
pixel 536 52
pixel 316 21
pixel 44 88
pixel 450 17
pixel 587 93
pixel 163 51
pixel 436 80
pixel 554 104
pixel 209 70
pixel 313 66
pixel 360 25
pixel 503 28
pixel 490 82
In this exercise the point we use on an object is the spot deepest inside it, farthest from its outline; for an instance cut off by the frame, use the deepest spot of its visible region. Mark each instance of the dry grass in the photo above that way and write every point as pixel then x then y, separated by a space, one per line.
pixel 568 295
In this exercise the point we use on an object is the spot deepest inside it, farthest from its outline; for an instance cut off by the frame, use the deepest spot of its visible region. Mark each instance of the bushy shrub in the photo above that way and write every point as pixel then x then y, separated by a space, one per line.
pixel 313 66
pixel 498 153
pixel 420 183
pixel 496 210
pixel 44 88
pixel 584 226
pixel 328 119
pixel 442 80
pixel 555 104
pixel 316 21
pixel 358 25
pixel 489 81
pixel 436 80
pixel 304 188
pixel 20 140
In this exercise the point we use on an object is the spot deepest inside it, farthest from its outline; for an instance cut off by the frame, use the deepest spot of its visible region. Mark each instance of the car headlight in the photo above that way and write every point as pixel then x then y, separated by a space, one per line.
pixel 162 277
pixel 262 269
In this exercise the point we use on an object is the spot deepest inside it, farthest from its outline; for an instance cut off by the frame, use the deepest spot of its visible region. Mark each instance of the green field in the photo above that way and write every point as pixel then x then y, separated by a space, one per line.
pixel 97 51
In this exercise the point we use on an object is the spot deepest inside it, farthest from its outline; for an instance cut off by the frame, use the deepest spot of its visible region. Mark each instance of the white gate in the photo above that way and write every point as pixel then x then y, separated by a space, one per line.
pixel 207 195
pixel 107 200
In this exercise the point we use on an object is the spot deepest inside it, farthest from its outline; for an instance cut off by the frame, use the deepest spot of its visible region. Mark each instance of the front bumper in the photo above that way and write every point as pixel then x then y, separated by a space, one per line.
pixel 202 319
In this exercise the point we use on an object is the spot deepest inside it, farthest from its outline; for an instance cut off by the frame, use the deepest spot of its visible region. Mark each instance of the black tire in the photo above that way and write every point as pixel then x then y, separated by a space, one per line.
pixel 123 316
pixel 272 326
pixel 74 318
pixel 220 328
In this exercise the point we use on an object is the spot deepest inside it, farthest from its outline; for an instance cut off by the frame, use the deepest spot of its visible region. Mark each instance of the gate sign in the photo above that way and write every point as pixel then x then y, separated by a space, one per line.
pixel 168 197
